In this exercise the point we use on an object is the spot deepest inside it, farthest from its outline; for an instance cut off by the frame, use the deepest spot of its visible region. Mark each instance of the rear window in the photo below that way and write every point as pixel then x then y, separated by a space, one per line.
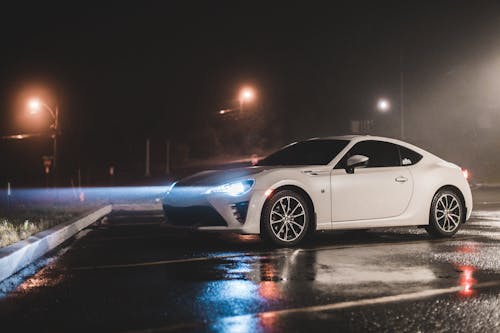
pixel 408 156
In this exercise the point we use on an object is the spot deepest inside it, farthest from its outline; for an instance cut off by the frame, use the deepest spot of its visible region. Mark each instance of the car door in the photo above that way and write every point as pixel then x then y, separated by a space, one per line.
pixel 380 190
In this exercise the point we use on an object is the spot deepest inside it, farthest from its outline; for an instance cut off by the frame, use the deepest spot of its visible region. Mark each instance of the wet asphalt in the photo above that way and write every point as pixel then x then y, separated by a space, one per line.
pixel 128 274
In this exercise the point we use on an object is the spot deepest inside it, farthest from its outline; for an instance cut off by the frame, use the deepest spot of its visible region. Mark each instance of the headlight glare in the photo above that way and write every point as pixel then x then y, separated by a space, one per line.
pixel 233 189
pixel 170 188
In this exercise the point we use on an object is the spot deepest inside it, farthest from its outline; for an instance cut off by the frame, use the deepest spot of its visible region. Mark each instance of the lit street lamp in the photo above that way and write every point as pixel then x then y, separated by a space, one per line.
pixel 35 106
pixel 246 95
pixel 225 111
pixel 383 105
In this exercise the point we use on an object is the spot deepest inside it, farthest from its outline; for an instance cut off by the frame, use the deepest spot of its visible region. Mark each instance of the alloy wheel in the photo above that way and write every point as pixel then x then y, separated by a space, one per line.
pixel 287 219
pixel 447 212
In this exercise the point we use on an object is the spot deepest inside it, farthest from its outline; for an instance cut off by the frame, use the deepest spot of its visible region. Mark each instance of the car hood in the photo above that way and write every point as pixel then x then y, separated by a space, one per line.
pixel 219 177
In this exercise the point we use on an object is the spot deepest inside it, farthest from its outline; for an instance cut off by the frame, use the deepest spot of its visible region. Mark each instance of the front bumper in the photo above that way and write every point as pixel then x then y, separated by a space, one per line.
pixel 192 209
pixel 193 216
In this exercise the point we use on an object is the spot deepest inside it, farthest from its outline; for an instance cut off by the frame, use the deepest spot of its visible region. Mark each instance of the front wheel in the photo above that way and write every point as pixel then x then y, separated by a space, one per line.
pixel 446 214
pixel 286 218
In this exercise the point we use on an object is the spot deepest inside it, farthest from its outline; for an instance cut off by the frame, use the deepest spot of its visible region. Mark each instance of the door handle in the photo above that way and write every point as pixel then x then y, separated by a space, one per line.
pixel 401 179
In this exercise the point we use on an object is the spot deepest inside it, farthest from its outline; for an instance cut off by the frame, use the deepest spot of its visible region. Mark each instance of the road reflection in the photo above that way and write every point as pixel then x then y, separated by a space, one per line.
pixel 466 279
pixel 269 290
pixel 256 285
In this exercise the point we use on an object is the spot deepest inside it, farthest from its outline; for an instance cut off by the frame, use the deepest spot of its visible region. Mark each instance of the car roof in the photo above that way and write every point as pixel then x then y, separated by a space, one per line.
pixel 355 137
pixel 358 138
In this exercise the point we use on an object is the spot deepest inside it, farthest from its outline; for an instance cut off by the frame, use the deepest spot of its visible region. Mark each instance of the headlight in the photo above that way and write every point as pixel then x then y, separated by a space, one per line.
pixel 170 188
pixel 233 189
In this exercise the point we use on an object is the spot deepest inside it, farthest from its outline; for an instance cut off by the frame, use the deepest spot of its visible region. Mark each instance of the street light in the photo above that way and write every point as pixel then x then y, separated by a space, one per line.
pixel 35 105
pixel 383 105
pixel 246 95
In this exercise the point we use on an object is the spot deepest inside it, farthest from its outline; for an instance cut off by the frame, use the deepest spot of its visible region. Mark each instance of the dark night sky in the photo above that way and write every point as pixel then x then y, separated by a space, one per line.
pixel 124 72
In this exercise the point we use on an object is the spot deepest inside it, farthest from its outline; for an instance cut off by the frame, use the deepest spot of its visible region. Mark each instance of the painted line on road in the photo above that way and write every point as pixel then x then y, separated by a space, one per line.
pixel 267 254
pixel 485 224
pixel 348 246
pixel 371 301
pixel 487 203
pixel 483 219
pixel 325 307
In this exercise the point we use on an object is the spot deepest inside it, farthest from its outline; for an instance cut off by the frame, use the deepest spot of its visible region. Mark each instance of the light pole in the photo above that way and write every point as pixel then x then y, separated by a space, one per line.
pixel 401 99
pixel 35 105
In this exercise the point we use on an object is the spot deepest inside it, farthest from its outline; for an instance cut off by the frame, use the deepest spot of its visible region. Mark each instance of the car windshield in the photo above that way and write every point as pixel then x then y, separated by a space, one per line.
pixel 312 152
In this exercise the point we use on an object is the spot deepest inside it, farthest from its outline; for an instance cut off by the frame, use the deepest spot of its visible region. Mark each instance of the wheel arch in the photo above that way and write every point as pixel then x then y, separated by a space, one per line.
pixel 301 191
pixel 459 193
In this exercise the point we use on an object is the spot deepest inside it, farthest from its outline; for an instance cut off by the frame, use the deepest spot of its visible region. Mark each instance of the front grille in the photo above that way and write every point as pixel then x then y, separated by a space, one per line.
pixel 193 216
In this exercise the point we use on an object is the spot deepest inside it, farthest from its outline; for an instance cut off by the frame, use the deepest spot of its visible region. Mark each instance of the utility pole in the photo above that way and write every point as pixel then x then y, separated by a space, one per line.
pixel 56 130
pixel 402 106
pixel 167 159
pixel 9 194
pixel 147 172
pixel 79 179
pixel 401 96
pixel 35 105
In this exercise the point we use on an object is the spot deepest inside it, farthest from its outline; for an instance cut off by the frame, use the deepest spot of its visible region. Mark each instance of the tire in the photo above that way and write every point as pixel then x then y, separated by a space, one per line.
pixel 286 218
pixel 446 215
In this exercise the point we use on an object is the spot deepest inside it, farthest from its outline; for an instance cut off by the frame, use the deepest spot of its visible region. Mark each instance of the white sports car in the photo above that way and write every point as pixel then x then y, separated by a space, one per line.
pixel 344 182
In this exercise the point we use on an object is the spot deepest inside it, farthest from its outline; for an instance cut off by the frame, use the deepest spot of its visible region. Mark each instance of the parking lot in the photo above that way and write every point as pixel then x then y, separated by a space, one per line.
pixel 127 273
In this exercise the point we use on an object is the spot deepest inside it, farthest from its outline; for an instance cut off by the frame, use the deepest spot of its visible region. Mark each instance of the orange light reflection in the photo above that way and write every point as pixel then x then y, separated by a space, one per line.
pixel 268 319
pixel 269 290
pixel 467 281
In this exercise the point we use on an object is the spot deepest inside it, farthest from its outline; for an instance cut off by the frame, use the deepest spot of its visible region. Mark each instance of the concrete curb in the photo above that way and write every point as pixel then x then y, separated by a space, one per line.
pixel 17 256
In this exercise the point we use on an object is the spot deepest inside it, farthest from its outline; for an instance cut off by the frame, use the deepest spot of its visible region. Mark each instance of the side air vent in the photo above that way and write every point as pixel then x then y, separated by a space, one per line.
pixel 240 210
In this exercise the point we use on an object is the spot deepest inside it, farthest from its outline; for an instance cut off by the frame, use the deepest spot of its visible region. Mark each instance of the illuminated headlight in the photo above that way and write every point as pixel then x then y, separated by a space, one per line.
pixel 233 189
pixel 170 188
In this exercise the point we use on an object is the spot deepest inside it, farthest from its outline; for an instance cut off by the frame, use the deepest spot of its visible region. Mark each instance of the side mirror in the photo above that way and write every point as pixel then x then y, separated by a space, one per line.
pixel 356 161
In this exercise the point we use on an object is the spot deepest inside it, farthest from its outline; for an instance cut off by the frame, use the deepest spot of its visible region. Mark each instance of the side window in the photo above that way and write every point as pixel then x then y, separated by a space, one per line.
pixel 408 156
pixel 380 154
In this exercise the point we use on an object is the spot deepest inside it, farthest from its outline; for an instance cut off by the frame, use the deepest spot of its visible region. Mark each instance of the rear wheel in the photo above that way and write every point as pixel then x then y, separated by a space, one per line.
pixel 446 214
pixel 285 218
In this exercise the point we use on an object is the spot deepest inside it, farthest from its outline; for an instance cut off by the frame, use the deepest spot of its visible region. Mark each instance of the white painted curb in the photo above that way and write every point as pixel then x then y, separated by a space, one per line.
pixel 17 256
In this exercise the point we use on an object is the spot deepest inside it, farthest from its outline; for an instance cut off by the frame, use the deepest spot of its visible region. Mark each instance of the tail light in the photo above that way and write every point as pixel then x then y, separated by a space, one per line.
pixel 465 172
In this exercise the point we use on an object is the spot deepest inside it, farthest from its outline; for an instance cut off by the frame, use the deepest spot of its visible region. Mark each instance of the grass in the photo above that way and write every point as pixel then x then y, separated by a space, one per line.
pixel 11 233
pixel 22 221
